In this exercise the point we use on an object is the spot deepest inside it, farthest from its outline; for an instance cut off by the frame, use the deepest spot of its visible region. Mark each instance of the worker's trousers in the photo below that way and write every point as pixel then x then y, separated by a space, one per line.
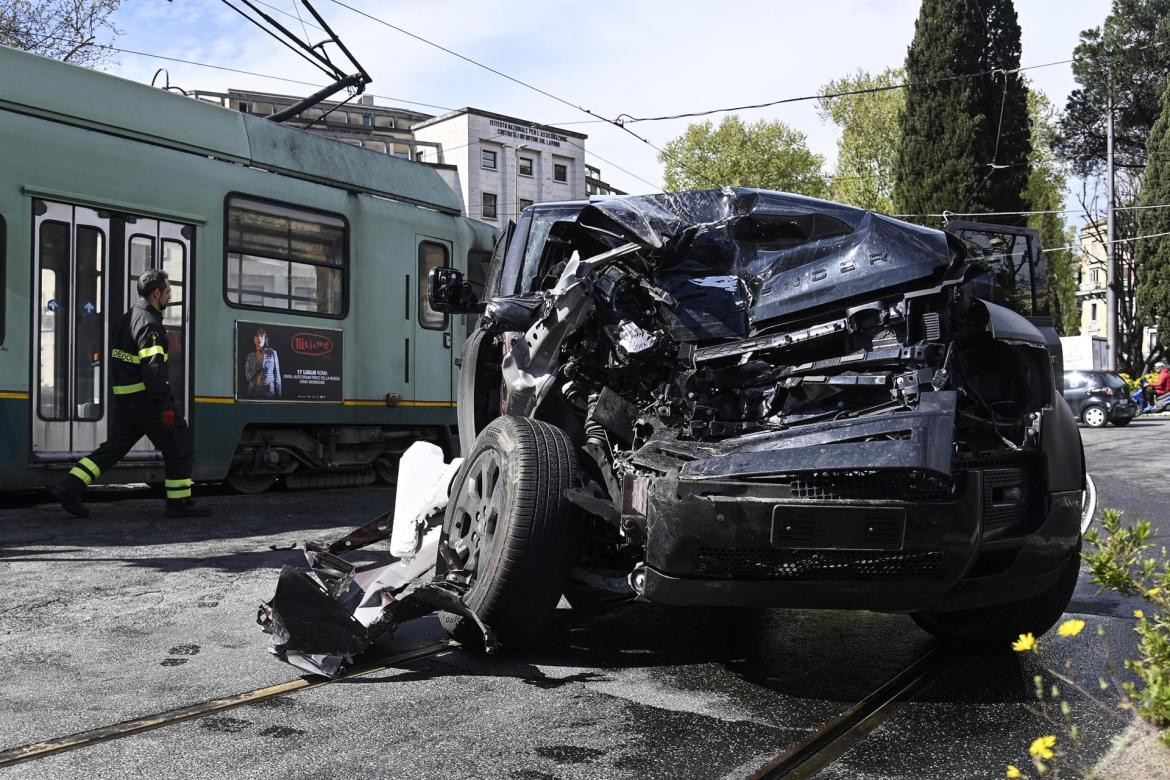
pixel 128 424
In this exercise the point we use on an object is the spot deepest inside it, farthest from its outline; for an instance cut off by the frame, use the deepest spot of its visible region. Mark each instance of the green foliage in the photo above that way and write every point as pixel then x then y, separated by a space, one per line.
pixel 1125 560
pixel 868 146
pixel 1152 255
pixel 770 155
pixel 1134 45
pixel 952 132
pixel 67 30
pixel 1046 184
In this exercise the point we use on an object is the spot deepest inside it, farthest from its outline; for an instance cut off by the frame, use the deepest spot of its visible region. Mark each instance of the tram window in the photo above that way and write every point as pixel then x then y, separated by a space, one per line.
pixel 54 310
pixel 89 351
pixel 285 258
pixel 430 255
pixel 173 255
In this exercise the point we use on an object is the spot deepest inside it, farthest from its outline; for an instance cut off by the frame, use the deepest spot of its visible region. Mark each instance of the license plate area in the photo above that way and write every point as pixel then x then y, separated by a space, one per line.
pixel 838 528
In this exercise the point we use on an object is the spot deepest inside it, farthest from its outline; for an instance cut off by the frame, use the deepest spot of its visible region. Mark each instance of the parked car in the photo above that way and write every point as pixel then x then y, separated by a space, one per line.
pixel 1099 397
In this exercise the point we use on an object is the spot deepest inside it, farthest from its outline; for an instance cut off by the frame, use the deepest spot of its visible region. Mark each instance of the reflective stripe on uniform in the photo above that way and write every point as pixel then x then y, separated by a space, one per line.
pixel 157 349
pixel 137 387
pixel 82 474
pixel 178 483
pixel 125 356
pixel 178 492
pixel 91 467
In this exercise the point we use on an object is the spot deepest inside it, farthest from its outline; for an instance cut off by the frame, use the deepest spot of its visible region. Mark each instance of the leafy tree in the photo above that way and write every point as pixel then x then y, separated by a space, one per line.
pixel 1129 55
pixel 770 155
pixel 1152 255
pixel 67 30
pixel 1046 185
pixel 965 142
pixel 868 147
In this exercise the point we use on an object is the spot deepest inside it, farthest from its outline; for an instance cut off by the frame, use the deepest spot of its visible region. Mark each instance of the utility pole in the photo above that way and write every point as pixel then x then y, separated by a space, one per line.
pixel 1111 318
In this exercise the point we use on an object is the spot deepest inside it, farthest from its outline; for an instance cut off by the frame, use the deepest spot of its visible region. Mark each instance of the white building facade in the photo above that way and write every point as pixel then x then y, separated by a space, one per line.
pixel 504 164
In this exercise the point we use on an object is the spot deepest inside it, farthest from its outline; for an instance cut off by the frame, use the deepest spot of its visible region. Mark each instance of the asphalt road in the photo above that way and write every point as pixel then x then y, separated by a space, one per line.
pixel 126 614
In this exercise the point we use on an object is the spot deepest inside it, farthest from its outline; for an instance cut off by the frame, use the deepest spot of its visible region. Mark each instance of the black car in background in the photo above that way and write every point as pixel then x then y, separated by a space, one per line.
pixel 1099 397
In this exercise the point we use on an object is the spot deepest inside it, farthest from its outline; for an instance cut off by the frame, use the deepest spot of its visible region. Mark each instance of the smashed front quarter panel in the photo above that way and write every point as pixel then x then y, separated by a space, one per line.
pixel 323 617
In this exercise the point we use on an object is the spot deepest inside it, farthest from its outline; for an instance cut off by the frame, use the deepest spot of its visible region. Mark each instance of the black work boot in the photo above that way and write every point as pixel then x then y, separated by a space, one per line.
pixel 70 500
pixel 185 507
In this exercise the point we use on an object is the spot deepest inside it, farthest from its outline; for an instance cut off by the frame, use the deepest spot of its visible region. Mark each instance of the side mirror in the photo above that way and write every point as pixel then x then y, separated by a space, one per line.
pixel 450 293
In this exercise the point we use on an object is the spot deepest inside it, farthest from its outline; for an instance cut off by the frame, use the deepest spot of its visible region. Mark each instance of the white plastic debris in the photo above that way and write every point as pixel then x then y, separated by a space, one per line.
pixel 423 482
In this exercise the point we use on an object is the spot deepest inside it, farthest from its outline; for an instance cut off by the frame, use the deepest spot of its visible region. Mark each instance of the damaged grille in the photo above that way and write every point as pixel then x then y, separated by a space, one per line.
pixel 861 486
pixel 766 563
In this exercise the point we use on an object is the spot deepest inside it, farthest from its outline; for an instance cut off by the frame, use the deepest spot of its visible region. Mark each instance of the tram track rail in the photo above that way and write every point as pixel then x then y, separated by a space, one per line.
pixel 127 728
pixel 832 740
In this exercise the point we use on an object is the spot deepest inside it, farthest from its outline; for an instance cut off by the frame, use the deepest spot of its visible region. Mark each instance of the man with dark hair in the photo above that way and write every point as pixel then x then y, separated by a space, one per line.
pixel 143 406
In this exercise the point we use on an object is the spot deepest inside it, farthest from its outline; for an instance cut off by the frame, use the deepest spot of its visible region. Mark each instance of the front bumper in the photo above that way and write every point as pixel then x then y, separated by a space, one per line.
pixel 741 543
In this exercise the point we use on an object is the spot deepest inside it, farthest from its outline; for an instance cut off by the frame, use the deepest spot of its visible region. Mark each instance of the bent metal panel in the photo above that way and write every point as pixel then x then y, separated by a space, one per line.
pixel 287 363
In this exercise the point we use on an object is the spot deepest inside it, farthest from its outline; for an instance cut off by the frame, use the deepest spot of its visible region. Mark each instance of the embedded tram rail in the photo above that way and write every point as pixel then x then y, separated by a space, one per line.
pixel 803 760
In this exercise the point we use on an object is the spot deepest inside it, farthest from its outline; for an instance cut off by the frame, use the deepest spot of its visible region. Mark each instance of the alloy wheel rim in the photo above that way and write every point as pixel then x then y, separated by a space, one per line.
pixel 477 512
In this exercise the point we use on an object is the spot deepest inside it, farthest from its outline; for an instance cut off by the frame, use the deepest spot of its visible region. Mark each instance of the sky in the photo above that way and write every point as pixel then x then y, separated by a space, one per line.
pixel 612 57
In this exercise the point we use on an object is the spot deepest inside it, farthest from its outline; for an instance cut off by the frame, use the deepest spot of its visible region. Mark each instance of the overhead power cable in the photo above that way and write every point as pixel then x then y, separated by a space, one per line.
pixel 1114 241
pixel 525 84
pixel 628 119
pixel 224 68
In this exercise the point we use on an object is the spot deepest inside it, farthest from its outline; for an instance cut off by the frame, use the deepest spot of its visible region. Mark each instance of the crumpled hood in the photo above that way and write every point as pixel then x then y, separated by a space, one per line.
pixel 734 259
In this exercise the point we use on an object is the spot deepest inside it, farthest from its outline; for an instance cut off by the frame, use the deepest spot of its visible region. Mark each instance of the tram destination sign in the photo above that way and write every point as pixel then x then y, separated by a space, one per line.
pixel 287 363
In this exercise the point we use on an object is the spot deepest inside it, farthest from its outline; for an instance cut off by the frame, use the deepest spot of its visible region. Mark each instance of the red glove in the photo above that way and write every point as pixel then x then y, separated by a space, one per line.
pixel 168 419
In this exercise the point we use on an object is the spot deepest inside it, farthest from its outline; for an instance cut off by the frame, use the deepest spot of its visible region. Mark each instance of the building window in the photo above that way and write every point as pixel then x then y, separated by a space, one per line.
pixel 430 255
pixel 285 258
pixel 1093 312
pixel 525 203
pixel 525 166
pixel 381 120
pixel 489 205
pixel 487 159
pixel 560 172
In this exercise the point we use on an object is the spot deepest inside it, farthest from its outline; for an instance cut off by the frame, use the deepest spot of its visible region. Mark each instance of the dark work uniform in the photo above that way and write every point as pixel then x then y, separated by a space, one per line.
pixel 141 393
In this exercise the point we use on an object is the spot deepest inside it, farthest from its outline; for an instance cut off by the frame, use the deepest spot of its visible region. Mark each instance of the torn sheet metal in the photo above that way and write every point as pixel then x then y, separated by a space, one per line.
pixel 323 617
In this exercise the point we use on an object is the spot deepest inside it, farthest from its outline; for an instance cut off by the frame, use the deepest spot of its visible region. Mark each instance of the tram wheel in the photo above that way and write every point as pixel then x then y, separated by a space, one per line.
pixel 249 484
pixel 386 468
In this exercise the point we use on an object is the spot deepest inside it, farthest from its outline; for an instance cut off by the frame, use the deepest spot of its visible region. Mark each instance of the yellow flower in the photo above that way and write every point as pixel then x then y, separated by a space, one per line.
pixel 1137 613
pixel 1153 592
pixel 1014 773
pixel 1025 643
pixel 1042 747
pixel 1071 627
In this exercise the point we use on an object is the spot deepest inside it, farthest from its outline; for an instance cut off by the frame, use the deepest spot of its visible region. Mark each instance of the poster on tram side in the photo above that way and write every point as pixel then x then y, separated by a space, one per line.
pixel 287 363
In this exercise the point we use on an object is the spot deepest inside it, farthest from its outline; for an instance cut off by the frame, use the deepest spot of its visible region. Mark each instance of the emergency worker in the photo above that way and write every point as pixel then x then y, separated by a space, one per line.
pixel 142 406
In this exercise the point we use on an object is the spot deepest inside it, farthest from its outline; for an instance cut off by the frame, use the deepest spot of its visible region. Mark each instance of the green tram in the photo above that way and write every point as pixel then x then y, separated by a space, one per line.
pixel 301 340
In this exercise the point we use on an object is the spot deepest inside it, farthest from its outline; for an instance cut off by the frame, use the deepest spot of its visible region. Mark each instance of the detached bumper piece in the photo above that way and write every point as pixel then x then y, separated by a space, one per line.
pixel 322 618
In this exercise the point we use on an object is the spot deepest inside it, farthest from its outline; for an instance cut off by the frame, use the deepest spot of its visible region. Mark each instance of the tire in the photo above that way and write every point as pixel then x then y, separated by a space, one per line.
pixel 1121 422
pixel 1094 416
pixel 512 528
pixel 996 627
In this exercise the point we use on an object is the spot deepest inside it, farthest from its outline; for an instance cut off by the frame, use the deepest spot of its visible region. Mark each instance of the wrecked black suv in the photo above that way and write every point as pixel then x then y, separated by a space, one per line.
pixel 749 398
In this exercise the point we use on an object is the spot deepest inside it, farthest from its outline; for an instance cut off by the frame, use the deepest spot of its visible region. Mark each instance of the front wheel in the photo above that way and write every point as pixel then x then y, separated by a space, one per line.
pixel 997 626
pixel 511 527
pixel 1094 417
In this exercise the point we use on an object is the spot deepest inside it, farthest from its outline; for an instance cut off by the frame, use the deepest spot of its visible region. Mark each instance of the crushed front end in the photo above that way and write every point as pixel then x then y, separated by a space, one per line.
pixel 784 401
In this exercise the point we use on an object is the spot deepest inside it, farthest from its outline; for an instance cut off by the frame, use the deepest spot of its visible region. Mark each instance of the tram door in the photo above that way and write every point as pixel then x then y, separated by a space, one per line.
pixel 87 263
pixel 431 373
pixel 70 293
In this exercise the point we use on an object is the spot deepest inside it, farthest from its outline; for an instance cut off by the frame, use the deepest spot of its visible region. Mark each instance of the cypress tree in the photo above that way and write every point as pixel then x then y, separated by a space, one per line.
pixel 1152 255
pixel 949 129
pixel 1007 136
